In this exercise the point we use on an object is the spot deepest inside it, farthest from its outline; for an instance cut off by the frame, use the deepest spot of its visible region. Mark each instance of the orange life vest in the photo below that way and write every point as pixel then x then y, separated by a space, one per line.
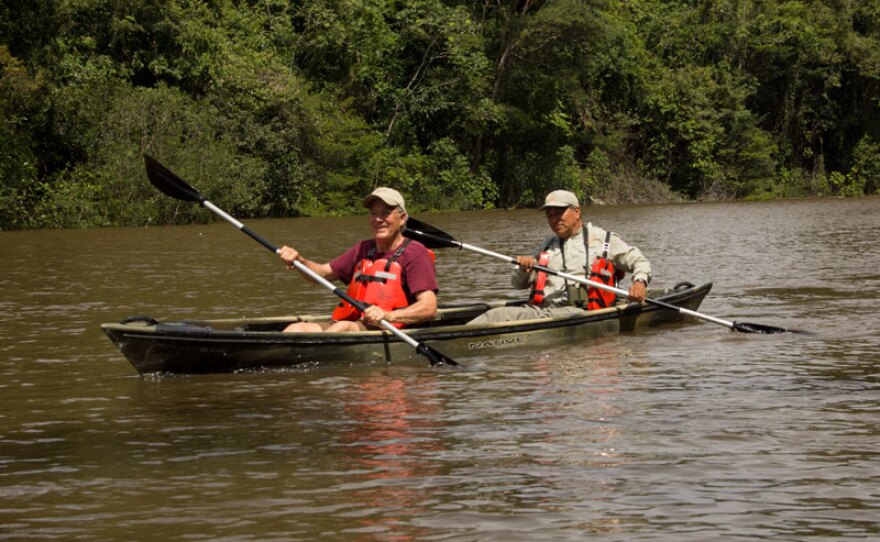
pixel 537 295
pixel 603 271
pixel 375 282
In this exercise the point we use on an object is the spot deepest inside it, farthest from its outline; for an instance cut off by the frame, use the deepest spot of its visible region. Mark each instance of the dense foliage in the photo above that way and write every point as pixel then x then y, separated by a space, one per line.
pixel 278 108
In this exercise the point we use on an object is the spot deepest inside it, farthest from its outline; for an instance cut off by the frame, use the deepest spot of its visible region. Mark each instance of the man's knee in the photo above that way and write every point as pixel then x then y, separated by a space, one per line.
pixel 504 314
pixel 345 326
pixel 304 327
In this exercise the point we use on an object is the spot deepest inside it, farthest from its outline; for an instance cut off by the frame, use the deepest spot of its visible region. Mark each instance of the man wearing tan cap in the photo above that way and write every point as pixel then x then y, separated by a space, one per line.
pixel 567 251
pixel 393 275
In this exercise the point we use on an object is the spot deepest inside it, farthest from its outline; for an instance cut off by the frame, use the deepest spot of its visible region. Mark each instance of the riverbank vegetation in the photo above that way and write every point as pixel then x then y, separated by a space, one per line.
pixel 278 108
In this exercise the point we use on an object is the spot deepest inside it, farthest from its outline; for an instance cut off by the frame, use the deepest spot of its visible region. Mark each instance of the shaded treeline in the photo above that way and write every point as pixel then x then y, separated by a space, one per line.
pixel 278 108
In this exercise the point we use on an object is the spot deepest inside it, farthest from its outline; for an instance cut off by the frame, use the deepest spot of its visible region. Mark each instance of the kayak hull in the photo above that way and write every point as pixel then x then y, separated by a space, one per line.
pixel 230 345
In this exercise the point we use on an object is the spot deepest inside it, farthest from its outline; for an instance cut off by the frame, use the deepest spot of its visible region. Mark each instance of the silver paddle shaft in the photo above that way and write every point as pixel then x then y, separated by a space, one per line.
pixel 599 285
pixel 222 214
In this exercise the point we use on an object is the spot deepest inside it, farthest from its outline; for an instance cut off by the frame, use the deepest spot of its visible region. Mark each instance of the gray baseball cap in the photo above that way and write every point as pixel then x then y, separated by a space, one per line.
pixel 389 195
pixel 560 198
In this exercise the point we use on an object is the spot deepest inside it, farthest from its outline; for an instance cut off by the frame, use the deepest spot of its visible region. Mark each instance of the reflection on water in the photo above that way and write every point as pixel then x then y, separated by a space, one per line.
pixel 687 432
pixel 394 423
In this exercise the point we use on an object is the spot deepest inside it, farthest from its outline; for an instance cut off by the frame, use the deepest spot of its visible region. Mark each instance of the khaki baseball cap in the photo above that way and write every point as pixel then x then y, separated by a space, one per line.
pixel 389 195
pixel 560 198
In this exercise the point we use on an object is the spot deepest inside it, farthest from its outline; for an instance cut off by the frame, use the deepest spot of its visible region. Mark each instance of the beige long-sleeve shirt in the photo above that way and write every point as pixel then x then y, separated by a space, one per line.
pixel 570 257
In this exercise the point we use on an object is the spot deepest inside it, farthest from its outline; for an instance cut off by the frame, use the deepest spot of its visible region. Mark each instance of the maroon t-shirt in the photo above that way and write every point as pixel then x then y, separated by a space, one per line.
pixel 418 269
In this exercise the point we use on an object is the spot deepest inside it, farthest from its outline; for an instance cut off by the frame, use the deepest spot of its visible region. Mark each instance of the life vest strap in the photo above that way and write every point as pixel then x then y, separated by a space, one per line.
pixel 384 275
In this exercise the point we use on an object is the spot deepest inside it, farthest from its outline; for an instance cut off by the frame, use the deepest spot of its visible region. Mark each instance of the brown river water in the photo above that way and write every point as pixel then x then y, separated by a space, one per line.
pixel 688 432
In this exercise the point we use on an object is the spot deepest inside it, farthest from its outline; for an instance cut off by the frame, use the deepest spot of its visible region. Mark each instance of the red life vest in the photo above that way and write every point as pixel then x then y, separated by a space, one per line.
pixel 537 295
pixel 603 271
pixel 375 282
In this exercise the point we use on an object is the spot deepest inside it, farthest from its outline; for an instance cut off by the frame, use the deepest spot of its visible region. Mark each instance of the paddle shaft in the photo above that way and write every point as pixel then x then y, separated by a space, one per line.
pixel 308 272
pixel 434 238
pixel 599 285
pixel 251 233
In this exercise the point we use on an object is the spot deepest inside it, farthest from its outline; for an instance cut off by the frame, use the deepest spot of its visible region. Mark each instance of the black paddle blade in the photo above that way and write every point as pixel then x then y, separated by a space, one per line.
pixel 168 183
pixel 746 327
pixel 436 358
pixel 428 235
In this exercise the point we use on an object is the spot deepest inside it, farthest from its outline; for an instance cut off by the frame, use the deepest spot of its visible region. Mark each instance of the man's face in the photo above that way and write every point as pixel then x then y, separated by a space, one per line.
pixel 385 221
pixel 564 221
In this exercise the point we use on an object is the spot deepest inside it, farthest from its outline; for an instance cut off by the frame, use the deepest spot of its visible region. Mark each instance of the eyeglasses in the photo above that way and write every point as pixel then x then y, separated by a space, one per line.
pixel 383 214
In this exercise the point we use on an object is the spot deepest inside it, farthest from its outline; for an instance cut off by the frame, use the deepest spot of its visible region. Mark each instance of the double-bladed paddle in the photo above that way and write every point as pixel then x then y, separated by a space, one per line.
pixel 435 238
pixel 171 185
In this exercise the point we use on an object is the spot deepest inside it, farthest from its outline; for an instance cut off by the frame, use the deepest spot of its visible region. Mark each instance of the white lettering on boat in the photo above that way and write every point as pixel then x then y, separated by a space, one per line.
pixel 510 341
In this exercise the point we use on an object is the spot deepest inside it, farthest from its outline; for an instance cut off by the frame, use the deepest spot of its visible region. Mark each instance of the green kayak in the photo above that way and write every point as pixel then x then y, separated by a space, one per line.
pixel 230 345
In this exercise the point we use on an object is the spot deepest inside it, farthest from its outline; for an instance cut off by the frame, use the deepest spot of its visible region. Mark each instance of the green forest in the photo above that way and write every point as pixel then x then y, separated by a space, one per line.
pixel 277 108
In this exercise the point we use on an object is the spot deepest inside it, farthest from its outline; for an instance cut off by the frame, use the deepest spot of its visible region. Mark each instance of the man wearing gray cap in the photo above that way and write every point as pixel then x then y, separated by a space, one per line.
pixel 393 275
pixel 577 249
